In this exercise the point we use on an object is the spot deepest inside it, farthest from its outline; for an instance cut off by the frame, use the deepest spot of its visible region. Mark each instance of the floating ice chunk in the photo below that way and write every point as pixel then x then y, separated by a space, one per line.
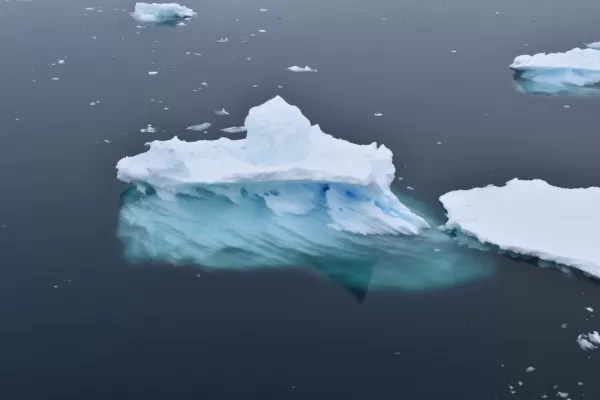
pixel 161 13
pixel 148 129
pixel 589 309
pixel 574 68
pixel 378 114
pixel 60 62
pixel 594 337
pixel 223 40
pixel 235 129
pixel 152 73
pixel 263 10
pixel 262 31
pixel 562 394
pixel 222 112
pixel 585 344
pixel 55 79
pixel 106 141
pixel 296 68
pixel 530 369
pixel 304 166
pixel 532 218
pixel 594 45
pixel 200 127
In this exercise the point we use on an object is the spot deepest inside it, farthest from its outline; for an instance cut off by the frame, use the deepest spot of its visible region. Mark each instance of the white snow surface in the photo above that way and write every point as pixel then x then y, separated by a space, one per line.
pixel 576 67
pixel 532 218
pixel 161 12
pixel 303 164
pixel 296 68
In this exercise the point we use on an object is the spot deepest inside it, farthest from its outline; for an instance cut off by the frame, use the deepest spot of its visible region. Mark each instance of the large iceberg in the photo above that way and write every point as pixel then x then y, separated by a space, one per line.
pixel 292 166
pixel 161 12
pixel 558 73
pixel 532 218
pixel 286 195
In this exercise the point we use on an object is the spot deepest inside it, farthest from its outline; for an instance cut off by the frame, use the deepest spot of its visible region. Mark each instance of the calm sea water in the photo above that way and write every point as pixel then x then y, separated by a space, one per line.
pixel 120 331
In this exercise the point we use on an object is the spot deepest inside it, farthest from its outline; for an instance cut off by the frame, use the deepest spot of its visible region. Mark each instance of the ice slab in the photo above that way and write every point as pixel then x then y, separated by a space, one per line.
pixel 161 12
pixel 296 166
pixel 200 127
pixel 532 218
pixel 556 72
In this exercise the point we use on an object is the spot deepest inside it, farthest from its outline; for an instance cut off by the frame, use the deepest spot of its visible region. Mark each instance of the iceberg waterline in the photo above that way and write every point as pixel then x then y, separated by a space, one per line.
pixel 286 195
pixel 558 73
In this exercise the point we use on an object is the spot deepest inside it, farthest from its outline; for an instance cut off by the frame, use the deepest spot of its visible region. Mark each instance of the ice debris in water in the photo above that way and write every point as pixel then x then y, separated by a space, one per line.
pixel 531 218
pixel 223 40
pixel 152 73
pixel 222 112
pixel 378 114
pixel 199 127
pixel 60 62
pixel 263 10
pixel 148 129
pixel 235 129
pixel 558 72
pixel 589 309
pixel 285 195
pixel 161 12
pixel 296 68
pixel 584 343
pixel 530 369
pixel 594 337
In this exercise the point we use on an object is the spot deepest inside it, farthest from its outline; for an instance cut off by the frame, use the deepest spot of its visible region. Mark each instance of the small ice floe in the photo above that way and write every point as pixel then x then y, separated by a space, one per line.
pixel 439 142
pixel 93 103
pixel 262 31
pixel 263 10
pixel 594 337
pixel 161 13
pixel 204 84
pixel 254 86
pixel 223 40
pixel 564 326
pixel 378 114
pixel 200 127
pixel 585 344
pixel 55 79
pixel 279 87
pixel 562 395
pixel 520 383
pixel 410 188
pixel 530 369
pixel 60 62
pixel 106 141
pixel 152 73
pixel 221 112
pixel 234 129
pixel 55 286
pixel 453 51
pixel 589 309
pixel 579 383
pixel 148 129
pixel 567 106
pixel 296 68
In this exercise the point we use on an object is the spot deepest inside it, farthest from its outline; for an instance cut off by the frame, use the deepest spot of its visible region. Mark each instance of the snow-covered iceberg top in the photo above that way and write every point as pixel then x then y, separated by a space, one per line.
pixel 161 12
pixel 576 67
pixel 293 166
pixel 532 218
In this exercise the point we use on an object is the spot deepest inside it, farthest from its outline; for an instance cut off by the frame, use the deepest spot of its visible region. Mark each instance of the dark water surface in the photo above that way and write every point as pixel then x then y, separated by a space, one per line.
pixel 112 330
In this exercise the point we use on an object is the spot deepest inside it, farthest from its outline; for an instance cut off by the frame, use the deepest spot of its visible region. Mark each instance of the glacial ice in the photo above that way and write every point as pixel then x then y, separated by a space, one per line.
pixel 558 73
pixel 161 12
pixel 286 195
pixel 532 218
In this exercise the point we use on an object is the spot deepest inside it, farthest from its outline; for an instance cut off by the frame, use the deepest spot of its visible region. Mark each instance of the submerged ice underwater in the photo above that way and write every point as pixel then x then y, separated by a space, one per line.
pixel 286 195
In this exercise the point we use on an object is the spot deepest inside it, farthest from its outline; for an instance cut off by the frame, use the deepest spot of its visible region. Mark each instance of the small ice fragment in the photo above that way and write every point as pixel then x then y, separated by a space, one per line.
pixel 567 106
pixel 181 24
pixel 223 40
pixel 166 12
pixel 579 383
pixel 204 84
pixel 439 142
pixel 106 141
pixel 255 86
pixel 410 188
pixel 55 79
pixel 438 250
pixel 94 37
pixel 222 112
pixel 594 337
pixel 200 127
pixel 234 129
pixel 589 309
pixel 453 51
pixel 263 10
pixel 544 396
pixel 562 394
pixel 563 326
pixel 520 383
pixel 60 62
pixel 198 275
pixel 152 73
pixel 55 286
pixel 296 68
pixel 585 344
pixel 262 31
pixel 279 86
pixel 90 8
pixel 249 58
pixel 530 369
pixel 378 114
pixel 92 103
pixel 148 129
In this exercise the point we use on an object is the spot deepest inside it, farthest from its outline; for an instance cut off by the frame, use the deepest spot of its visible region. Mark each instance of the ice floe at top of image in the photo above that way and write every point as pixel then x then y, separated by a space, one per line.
pixel 161 13
pixel 575 72
pixel 286 195
pixel 532 219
